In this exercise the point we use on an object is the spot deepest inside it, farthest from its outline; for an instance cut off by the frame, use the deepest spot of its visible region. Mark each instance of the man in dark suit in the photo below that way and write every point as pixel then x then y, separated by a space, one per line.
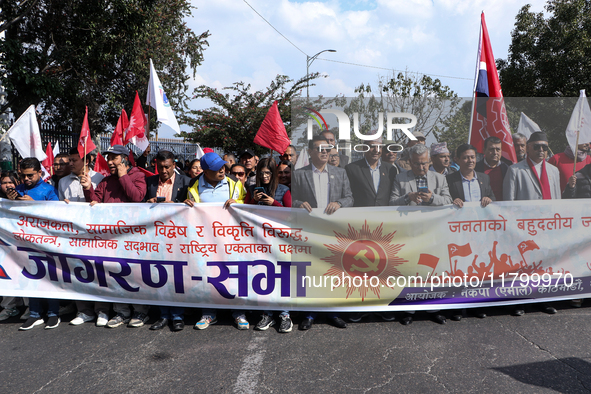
pixel 168 186
pixel 371 178
pixel 492 165
pixel 320 185
pixel 468 185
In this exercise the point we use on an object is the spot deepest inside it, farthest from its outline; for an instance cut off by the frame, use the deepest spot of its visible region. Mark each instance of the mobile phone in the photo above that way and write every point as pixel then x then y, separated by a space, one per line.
pixel 17 192
pixel 423 190
pixel 259 189
pixel 160 199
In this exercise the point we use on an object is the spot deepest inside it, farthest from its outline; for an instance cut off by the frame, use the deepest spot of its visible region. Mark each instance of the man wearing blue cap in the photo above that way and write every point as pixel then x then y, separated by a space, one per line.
pixel 215 186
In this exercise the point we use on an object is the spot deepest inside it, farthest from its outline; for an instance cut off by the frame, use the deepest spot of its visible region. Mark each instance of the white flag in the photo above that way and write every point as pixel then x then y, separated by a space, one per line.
pixel 199 152
pixel 56 149
pixel 580 123
pixel 302 160
pixel 156 99
pixel 25 136
pixel 527 126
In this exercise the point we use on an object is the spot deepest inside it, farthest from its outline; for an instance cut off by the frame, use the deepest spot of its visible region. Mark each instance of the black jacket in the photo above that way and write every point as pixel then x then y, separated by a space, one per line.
pixel 456 189
pixel 179 188
pixel 583 187
pixel 364 192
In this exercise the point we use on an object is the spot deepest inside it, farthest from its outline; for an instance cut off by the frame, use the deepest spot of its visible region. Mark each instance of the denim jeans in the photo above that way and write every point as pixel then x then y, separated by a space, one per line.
pixel 174 312
pixel 330 315
pixel 36 307
pixel 270 313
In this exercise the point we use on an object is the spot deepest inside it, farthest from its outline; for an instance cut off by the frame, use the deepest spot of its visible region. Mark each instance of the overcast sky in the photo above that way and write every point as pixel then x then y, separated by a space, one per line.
pixel 438 38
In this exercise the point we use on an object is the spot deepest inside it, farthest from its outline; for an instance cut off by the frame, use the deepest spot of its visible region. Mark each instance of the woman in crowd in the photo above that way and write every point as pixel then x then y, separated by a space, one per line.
pixel 267 190
pixel 8 181
pixel 284 173
pixel 194 168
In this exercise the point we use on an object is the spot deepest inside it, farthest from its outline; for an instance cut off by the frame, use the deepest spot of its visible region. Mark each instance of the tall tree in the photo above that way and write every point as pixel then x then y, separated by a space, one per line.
pixel 67 54
pixel 549 56
pixel 236 116
pixel 426 98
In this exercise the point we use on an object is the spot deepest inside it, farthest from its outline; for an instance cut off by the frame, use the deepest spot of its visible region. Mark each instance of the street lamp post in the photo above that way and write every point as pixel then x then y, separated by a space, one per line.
pixel 310 60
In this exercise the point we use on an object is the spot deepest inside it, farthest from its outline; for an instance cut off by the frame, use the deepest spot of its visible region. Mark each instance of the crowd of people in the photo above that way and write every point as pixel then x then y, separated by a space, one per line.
pixel 417 175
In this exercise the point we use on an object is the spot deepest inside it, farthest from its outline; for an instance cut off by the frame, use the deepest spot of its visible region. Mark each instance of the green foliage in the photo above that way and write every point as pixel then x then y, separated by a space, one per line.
pixel 426 98
pixel 64 55
pixel 236 117
pixel 549 57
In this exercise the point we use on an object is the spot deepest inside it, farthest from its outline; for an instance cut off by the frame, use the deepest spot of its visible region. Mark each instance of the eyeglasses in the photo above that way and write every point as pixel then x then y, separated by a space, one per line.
pixel 321 150
pixel 333 156
pixel 543 146
pixel 30 176
pixel 237 173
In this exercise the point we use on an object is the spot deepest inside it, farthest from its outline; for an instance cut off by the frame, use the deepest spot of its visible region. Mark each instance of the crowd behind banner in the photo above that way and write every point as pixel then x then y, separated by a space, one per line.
pixel 415 176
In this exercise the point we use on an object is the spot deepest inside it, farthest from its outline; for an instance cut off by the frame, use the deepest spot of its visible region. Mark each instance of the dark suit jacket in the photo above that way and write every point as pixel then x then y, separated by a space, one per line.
pixel 179 188
pixel 456 189
pixel 480 167
pixel 364 193
pixel 302 187
pixel 343 160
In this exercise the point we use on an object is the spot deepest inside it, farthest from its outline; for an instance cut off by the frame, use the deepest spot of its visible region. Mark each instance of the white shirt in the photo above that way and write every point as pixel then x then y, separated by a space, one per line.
pixel 70 188
pixel 375 174
pixel 321 187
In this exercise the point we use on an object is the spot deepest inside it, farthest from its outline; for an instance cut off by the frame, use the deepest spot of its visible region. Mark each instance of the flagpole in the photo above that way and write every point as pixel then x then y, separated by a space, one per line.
pixel 577 144
pixel 475 79
pixel 84 158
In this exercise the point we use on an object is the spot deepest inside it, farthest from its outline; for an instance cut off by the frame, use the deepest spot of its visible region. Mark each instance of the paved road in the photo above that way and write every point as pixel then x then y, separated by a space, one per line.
pixel 535 353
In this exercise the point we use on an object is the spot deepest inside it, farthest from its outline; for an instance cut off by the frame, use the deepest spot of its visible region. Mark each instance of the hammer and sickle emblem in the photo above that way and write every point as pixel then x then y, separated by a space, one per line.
pixel 370 266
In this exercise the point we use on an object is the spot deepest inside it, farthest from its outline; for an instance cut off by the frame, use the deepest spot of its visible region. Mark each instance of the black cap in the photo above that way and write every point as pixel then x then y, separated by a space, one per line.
pixel 117 150
pixel 537 136
pixel 249 151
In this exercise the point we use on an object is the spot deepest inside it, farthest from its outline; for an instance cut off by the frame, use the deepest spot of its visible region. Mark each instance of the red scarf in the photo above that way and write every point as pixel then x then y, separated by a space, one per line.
pixel 542 180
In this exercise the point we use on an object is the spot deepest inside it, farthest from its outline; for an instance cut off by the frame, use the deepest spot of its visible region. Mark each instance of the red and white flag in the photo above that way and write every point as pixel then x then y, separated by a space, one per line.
pixel 85 144
pixel 489 116
pixel 122 124
pixel 48 162
pixel 136 131
pixel 101 166
pixel 272 133
pixel 25 136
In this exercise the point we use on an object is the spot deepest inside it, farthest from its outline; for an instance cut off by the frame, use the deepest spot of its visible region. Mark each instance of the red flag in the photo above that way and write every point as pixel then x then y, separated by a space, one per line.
pixel 457 250
pixel 489 116
pixel 272 133
pixel 428 260
pixel 122 124
pixel 136 131
pixel 527 245
pixel 85 144
pixel 146 172
pixel 101 166
pixel 48 162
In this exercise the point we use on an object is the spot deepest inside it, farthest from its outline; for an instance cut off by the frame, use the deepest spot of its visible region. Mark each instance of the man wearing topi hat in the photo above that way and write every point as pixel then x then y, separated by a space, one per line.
pixel 533 179
pixel 440 159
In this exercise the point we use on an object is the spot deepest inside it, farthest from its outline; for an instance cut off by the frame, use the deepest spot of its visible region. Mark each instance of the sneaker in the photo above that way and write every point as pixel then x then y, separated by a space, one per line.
pixel 30 323
pixel 205 322
pixel 80 319
pixel 67 309
pixel 242 323
pixel 286 324
pixel 8 313
pixel 26 315
pixel 52 322
pixel 102 319
pixel 266 322
pixel 138 320
pixel 117 321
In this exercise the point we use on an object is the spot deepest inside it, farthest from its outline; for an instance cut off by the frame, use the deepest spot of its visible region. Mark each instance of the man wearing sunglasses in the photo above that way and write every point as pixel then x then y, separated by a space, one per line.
pixel 33 187
pixel 533 179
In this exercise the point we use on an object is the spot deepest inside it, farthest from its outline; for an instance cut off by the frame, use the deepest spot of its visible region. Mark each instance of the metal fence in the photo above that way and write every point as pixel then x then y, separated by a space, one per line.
pixel 67 140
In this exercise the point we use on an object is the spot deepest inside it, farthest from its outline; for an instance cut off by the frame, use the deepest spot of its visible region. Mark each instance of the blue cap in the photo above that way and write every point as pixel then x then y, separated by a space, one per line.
pixel 212 161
